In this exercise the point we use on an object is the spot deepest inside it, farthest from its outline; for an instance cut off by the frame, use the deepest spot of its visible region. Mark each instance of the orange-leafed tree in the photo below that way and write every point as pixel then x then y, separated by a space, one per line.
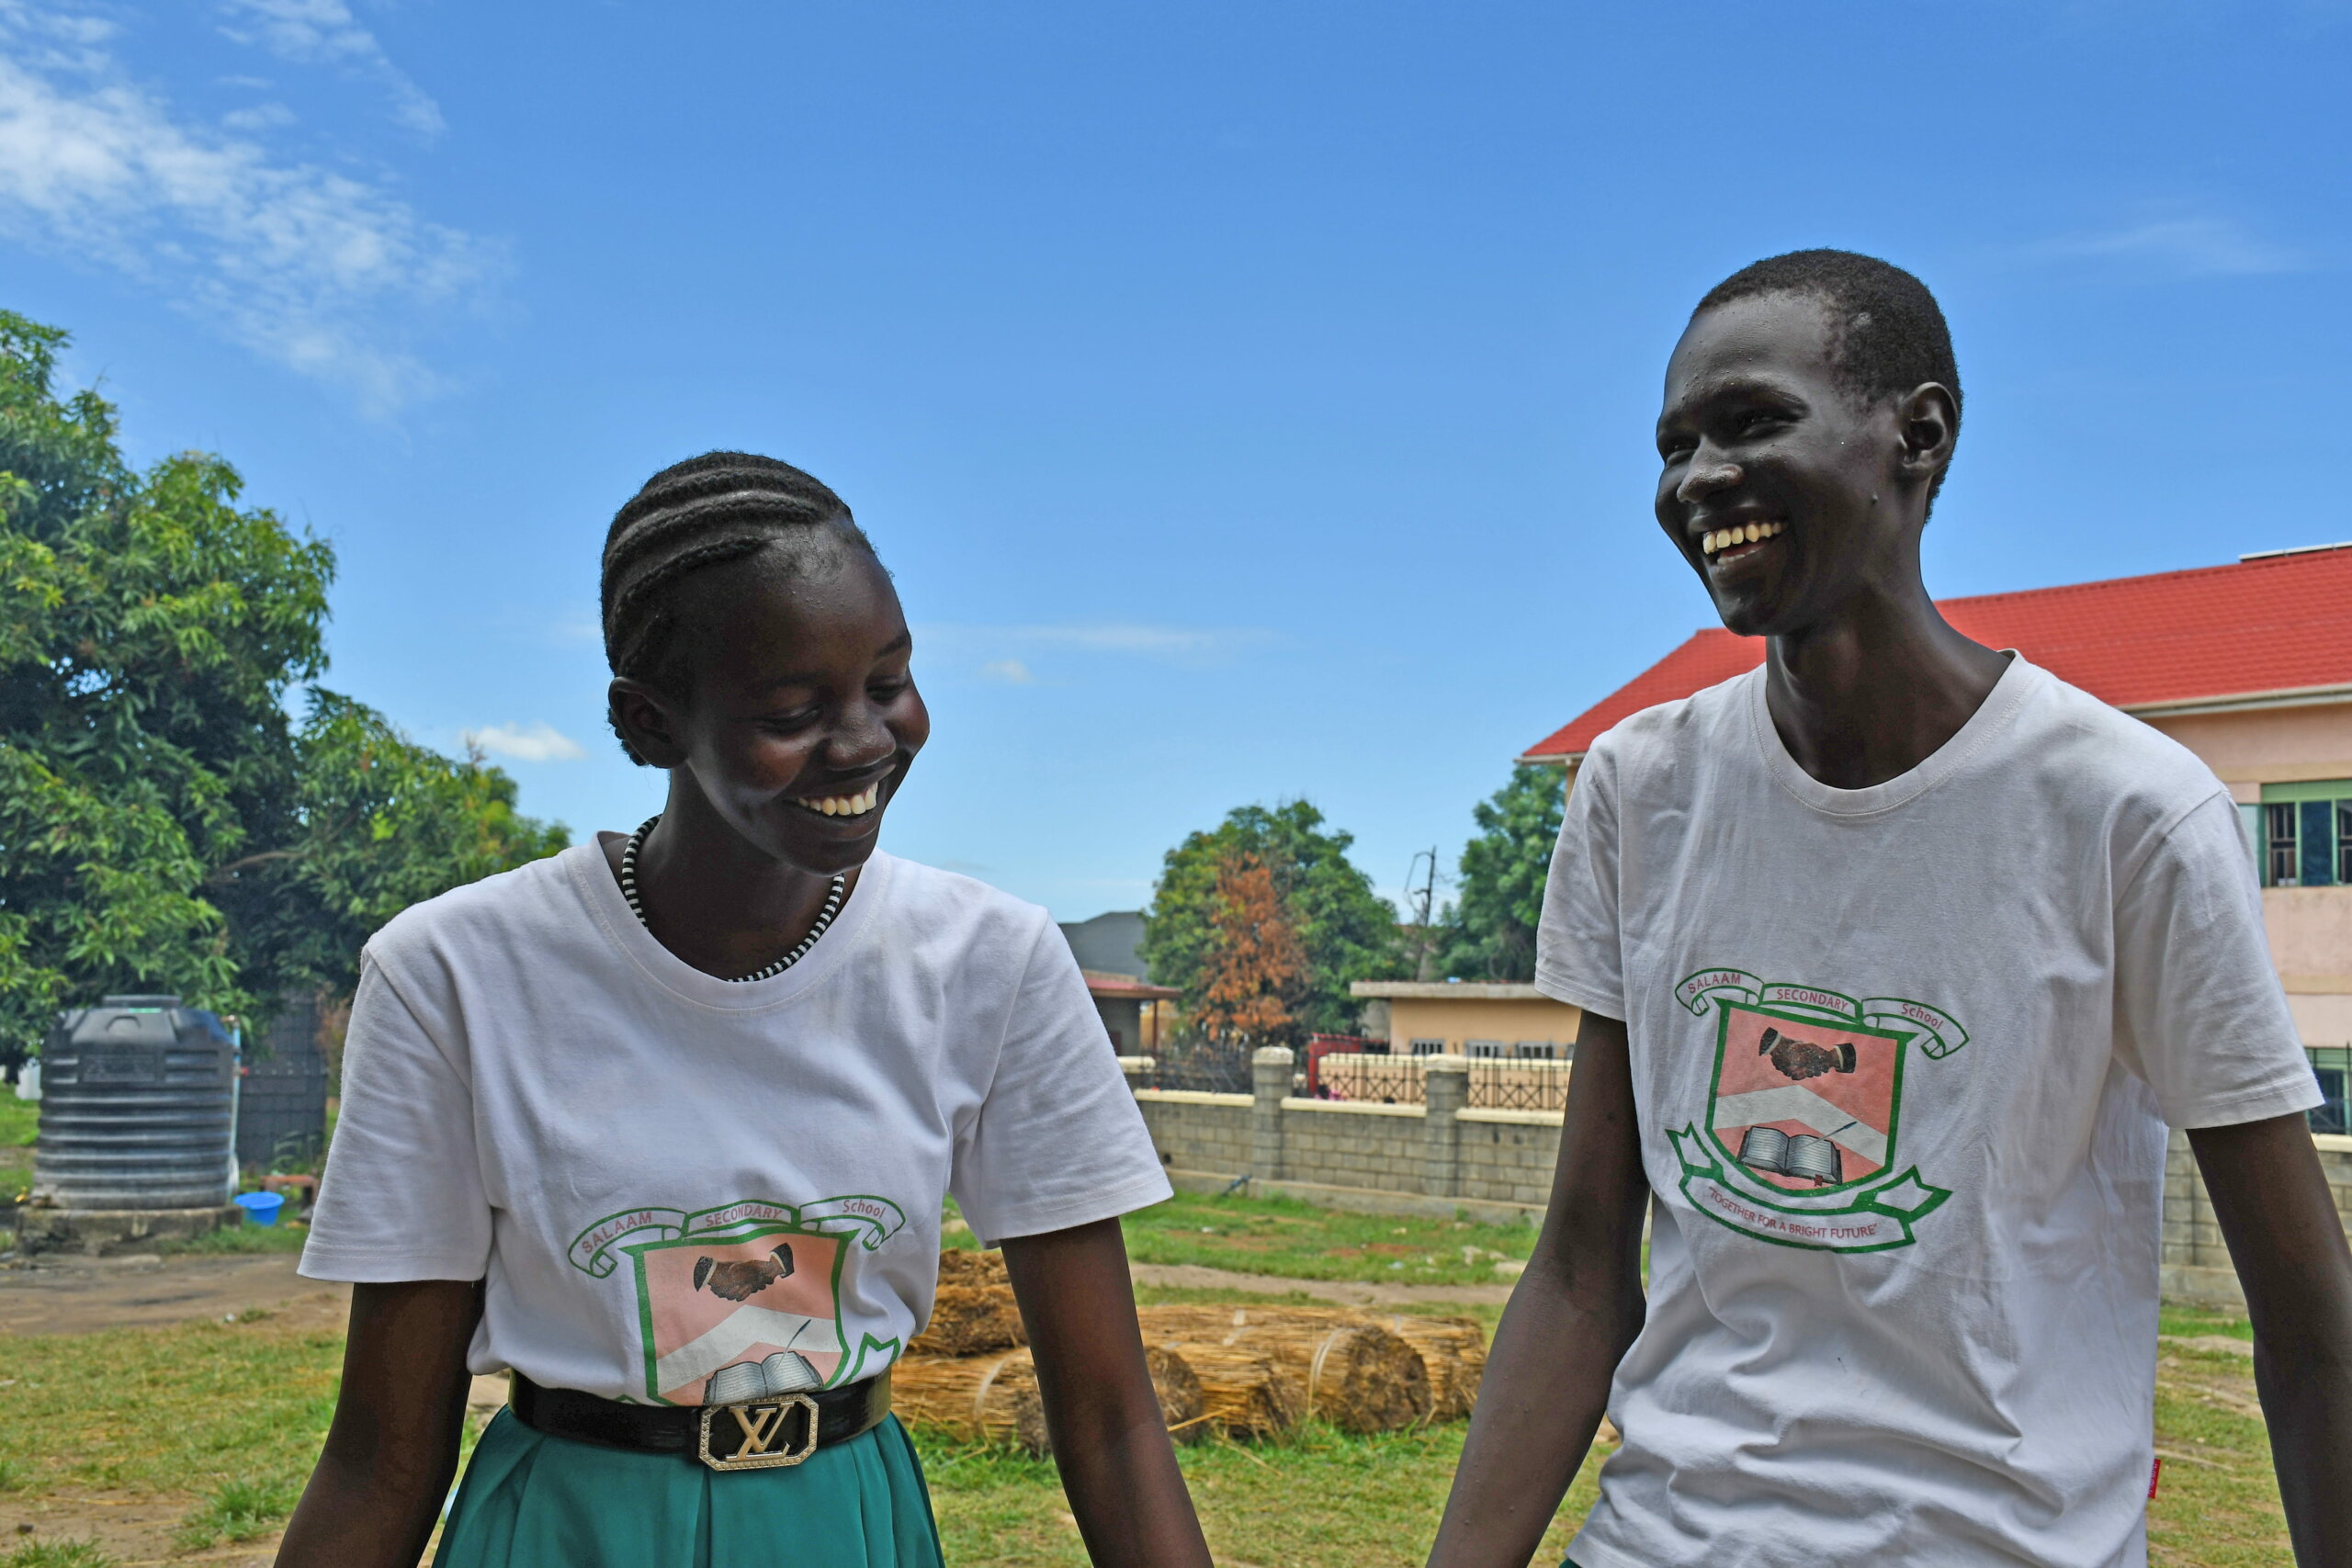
pixel 1255 966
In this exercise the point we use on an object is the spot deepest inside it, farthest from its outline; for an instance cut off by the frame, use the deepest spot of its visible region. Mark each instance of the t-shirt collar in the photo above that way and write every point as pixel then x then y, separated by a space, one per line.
pixel 592 877
pixel 2000 705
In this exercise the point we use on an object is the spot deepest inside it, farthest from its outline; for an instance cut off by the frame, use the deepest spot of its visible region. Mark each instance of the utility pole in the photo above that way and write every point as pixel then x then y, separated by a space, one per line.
pixel 1426 899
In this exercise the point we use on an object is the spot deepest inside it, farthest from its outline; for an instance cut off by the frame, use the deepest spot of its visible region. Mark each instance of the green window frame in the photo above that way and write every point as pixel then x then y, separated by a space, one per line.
pixel 2302 834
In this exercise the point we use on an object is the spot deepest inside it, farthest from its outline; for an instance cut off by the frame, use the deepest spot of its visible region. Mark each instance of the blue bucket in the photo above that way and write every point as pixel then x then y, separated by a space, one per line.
pixel 261 1208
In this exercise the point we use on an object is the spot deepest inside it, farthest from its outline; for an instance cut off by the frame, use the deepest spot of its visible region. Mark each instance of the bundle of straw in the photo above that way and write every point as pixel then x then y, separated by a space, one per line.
pixel 967 1320
pixel 1352 1372
pixel 1243 1393
pixel 995 1398
pixel 1454 1351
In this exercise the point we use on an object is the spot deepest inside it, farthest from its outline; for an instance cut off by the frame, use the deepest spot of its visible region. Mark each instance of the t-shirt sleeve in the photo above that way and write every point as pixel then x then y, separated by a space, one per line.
pixel 1058 1140
pixel 1580 949
pixel 2203 1019
pixel 402 1195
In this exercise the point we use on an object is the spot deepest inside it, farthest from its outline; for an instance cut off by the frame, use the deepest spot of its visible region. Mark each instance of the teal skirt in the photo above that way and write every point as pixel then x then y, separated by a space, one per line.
pixel 530 1500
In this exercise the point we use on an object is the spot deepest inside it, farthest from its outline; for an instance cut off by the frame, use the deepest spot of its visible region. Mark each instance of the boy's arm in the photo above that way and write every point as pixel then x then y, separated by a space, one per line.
pixel 1575 1310
pixel 1110 1441
pixel 2271 1200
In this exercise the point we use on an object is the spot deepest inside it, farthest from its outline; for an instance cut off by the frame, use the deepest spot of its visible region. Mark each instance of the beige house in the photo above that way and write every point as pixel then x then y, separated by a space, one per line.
pixel 1461 1018
pixel 2249 666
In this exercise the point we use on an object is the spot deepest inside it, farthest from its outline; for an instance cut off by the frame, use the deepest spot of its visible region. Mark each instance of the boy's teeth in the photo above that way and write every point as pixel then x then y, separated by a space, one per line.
pixel 1747 533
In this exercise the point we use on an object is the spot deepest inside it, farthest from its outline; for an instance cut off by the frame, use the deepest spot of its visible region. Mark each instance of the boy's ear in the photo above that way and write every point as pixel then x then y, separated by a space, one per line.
pixel 1930 424
pixel 648 721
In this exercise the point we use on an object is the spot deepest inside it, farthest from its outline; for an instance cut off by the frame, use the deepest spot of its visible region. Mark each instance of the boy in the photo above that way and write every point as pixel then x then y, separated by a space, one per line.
pixel 1897 955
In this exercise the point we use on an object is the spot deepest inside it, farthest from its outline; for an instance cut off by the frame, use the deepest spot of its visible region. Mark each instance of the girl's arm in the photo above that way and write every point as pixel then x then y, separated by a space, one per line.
pixel 1110 1441
pixel 380 1484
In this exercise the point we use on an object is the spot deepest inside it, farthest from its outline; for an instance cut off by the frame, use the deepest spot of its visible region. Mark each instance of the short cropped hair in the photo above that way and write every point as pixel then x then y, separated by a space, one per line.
pixel 703 513
pixel 1888 334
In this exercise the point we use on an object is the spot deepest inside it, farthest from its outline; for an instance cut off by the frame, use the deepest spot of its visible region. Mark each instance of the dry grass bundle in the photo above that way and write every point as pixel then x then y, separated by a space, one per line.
pixel 1243 1392
pixel 1183 1397
pixel 1454 1351
pixel 967 1320
pixel 993 1398
pixel 1353 1373
pixel 963 1266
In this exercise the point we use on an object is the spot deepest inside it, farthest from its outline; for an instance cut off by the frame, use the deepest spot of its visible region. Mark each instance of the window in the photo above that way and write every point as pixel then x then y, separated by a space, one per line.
pixel 2305 834
pixel 1429 1047
pixel 1486 1048
pixel 1536 1051
pixel 2331 1066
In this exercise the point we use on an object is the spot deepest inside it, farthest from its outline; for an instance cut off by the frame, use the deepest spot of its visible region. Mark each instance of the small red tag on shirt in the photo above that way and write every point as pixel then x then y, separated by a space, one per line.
pixel 2156 1475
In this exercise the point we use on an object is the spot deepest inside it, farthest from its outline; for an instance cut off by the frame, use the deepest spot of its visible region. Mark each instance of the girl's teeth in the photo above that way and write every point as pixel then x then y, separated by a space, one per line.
pixel 856 805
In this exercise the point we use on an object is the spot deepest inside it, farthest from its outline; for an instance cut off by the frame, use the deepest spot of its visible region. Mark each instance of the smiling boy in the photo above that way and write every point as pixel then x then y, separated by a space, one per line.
pixel 1898 955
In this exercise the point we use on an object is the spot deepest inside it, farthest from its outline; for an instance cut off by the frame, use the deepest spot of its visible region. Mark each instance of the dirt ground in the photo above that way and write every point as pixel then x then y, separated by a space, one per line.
pixel 73 1294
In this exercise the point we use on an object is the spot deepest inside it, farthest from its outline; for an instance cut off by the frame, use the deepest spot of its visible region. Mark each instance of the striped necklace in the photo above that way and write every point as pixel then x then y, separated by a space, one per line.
pixel 833 896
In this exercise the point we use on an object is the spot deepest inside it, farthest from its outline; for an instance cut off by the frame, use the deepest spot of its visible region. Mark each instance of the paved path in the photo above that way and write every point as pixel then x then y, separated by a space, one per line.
pixel 1346 1292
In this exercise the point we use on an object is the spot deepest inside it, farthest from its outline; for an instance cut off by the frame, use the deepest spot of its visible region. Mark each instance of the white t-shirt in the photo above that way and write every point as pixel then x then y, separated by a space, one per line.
pixel 666 1177
pixel 1903 1058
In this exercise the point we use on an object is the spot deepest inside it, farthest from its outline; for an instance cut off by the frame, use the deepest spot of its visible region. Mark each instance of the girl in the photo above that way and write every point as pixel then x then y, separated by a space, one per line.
pixel 663 1123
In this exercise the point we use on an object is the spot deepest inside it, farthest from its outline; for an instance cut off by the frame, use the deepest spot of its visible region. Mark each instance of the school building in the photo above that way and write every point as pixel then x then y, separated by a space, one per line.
pixel 2249 666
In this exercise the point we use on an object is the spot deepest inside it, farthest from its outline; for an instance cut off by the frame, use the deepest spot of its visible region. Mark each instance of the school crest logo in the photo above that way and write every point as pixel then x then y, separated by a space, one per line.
pixel 741 1301
pixel 1805 1110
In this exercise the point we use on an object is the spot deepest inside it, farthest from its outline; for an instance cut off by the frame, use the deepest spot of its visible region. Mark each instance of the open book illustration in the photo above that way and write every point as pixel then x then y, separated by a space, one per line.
pixel 787 1371
pixel 1803 1156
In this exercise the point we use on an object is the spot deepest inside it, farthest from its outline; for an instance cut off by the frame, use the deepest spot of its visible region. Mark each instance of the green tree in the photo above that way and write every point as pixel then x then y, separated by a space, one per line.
pixel 162 823
pixel 1344 930
pixel 1491 929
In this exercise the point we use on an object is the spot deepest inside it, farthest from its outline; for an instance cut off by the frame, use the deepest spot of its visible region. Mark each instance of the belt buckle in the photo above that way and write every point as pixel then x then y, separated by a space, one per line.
pixel 762 1423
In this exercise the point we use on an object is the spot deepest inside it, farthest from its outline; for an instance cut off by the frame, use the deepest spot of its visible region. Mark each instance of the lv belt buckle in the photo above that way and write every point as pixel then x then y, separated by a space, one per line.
pixel 759 1422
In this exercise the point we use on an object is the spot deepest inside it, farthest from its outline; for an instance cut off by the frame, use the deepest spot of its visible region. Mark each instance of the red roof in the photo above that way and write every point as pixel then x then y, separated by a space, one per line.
pixel 1098 984
pixel 2278 624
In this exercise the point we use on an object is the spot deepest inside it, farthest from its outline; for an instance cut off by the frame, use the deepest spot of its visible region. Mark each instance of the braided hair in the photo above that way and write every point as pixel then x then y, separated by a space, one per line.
pixel 708 511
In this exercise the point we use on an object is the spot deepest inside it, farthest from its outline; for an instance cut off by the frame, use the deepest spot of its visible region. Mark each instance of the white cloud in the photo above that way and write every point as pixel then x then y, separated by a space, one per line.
pixel 539 742
pixel 2199 247
pixel 313 268
pixel 324 32
pixel 1011 671
pixel 261 117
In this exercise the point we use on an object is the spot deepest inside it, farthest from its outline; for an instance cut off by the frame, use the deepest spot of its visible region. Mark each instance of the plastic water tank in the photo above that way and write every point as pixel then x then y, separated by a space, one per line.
pixel 138 1108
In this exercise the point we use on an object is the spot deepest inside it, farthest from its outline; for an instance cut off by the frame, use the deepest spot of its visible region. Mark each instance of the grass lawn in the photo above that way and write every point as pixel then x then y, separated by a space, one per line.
pixel 1300 1241
pixel 20 1124
pixel 224 1419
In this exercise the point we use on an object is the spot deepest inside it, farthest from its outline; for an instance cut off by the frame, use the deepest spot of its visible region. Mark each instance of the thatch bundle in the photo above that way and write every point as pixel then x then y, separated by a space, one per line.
pixel 1243 1392
pixel 1352 1372
pixel 968 1320
pixel 1454 1351
pixel 967 1266
pixel 974 1312
pixel 993 1398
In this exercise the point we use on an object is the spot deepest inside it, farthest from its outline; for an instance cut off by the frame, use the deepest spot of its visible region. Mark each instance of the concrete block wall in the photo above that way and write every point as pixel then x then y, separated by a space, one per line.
pixel 1447 1151
pixel 1440 1150
pixel 2197 1267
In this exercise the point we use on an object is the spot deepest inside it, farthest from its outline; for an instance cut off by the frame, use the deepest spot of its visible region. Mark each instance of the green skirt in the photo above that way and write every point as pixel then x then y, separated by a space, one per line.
pixel 530 1500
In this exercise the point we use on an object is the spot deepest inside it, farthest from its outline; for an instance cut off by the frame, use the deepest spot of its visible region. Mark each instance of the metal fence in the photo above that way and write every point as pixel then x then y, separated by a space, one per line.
pixel 1503 1083
pixel 1193 1063
pixel 1371 1078
pixel 2332 1066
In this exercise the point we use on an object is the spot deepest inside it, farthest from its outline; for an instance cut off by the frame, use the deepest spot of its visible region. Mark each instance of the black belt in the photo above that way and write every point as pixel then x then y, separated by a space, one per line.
pixel 752 1435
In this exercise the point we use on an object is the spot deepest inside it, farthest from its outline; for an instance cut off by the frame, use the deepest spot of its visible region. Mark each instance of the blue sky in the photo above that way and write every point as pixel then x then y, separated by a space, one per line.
pixel 1253 400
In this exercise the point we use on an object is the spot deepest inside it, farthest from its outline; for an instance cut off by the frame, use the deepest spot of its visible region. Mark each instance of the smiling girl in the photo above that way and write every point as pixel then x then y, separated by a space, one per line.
pixel 663 1123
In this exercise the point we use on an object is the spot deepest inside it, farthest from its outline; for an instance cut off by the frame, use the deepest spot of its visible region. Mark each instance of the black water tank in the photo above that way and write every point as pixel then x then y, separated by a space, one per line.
pixel 138 1107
